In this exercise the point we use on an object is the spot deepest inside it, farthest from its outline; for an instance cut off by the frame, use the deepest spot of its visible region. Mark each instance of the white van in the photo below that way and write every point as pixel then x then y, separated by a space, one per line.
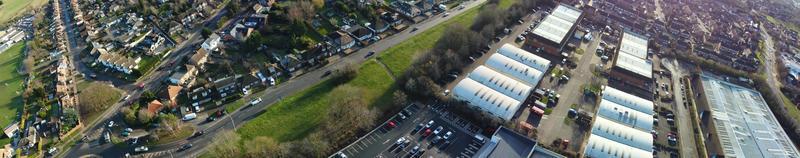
pixel 190 116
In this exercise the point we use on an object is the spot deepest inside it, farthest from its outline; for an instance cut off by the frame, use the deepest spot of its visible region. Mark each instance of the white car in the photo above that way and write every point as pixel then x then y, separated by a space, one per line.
pixel 438 130
pixel 141 149
pixel 448 135
pixel 255 101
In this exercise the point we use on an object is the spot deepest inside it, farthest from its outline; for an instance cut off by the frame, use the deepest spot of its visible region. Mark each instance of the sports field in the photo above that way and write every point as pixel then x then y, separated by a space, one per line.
pixel 13 8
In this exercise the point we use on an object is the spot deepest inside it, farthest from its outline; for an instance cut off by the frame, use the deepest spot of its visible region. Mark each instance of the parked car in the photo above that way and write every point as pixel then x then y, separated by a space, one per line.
pixel 416 129
pixel 391 125
pixel 436 140
pixel 448 135
pixel 198 133
pixel 438 130
pixel 427 132
pixel 190 116
pixel 255 101
pixel 430 123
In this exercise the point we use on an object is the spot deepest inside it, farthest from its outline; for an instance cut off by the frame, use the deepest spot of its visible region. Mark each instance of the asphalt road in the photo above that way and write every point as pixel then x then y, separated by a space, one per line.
pixel 682 116
pixel 270 96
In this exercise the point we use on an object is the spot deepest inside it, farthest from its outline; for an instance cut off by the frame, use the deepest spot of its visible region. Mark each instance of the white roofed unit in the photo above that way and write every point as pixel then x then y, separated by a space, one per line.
pixel 558 24
pixel 623 134
pixel 524 57
pixel 626 116
pixel 636 65
pixel 600 147
pixel 517 70
pixel 628 100
pixel 743 123
pixel 501 83
pixel 633 44
pixel 486 98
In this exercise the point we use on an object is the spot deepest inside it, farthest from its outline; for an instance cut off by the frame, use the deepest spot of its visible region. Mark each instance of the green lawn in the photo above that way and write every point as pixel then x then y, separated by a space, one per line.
pixel 296 116
pixel 400 56
pixel 505 4
pixel 12 8
pixel 11 83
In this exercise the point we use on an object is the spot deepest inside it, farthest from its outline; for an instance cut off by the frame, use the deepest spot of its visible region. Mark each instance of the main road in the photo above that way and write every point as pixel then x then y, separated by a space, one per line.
pixel 271 95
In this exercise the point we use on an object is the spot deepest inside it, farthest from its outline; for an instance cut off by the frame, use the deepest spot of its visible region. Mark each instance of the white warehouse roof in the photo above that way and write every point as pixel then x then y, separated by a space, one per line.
pixel 633 44
pixel 626 116
pixel 628 100
pixel 524 57
pixel 623 134
pixel 635 64
pixel 556 25
pixel 501 83
pixel 744 124
pixel 599 147
pixel 517 70
pixel 485 98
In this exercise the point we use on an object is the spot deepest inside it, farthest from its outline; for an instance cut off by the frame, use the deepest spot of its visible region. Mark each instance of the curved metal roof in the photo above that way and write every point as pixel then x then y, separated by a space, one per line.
pixel 524 57
pixel 600 147
pixel 626 116
pixel 501 83
pixel 486 98
pixel 628 100
pixel 623 134
pixel 517 70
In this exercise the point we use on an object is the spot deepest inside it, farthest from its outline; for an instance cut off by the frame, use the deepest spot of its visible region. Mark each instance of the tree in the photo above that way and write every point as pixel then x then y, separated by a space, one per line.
pixel 349 113
pixel 96 97
pixel 129 114
pixel 301 10
pixel 206 32
pixel 226 145
pixel 400 98
pixel 144 117
pixel 318 4
pixel 264 147
pixel 170 122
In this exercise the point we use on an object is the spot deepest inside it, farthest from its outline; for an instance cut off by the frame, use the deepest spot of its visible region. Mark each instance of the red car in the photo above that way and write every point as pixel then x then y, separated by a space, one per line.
pixel 391 125
pixel 427 132
pixel 141 85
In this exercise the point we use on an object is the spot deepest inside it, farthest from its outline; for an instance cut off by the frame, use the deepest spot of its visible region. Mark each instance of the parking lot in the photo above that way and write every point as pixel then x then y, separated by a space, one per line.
pixel 417 136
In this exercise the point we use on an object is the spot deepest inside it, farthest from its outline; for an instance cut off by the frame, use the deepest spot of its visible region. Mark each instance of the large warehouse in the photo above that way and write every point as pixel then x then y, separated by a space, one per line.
pixel 631 65
pixel 622 126
pixel 737 122
pixel 501 86
pixel 552 33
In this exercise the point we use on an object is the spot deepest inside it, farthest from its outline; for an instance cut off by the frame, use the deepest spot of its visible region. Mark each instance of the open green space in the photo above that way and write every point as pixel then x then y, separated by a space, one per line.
pixel 11 83
pixel 505 4
pixel 296 116
pixel 13 8
pixel 400 56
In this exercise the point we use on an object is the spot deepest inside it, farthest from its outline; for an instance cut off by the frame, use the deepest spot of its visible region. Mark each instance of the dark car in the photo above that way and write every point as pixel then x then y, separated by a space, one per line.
pixel 444 145
pixel 326 73
pixel 184 147
pixel 416 129
pixel 197 134
pixel 369 54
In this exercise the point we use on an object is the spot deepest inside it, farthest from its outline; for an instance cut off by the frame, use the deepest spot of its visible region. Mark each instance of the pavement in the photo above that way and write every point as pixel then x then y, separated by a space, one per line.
pixel 381 142
pixel 270 96
pixel 682 116
pixel 573 94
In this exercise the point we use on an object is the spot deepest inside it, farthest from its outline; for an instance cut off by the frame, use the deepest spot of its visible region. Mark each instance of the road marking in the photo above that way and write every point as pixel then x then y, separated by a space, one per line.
pixel 387 140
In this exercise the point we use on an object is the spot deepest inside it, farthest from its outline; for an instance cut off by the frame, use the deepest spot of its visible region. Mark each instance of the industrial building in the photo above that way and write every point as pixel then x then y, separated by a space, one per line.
pixel 504 83
pixel 621 127
pixel 737 122
pixel 631 65
pixel 509 144
pixel 552 34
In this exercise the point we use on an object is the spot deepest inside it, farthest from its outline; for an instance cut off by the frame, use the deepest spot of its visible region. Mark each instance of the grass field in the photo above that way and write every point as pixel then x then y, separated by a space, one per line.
pixel 12 8
pixel 11 83
pixel 298 115
pixel 400 56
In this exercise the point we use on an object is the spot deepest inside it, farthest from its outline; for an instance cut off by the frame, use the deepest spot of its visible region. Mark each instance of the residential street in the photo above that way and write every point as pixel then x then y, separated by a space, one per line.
pixel 271 95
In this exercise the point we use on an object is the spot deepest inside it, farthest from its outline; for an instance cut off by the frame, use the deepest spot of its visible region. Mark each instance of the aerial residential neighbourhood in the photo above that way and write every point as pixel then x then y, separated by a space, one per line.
pixel 400 78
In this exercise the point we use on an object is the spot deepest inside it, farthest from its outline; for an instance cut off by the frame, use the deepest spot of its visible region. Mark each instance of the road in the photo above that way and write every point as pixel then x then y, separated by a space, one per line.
pixel 682 116
pixel 270 96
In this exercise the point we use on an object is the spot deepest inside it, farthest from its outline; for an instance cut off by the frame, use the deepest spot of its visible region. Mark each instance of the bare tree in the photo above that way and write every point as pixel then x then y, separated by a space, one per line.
pixel 226 145
pixel 264 147
pixel 301 10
